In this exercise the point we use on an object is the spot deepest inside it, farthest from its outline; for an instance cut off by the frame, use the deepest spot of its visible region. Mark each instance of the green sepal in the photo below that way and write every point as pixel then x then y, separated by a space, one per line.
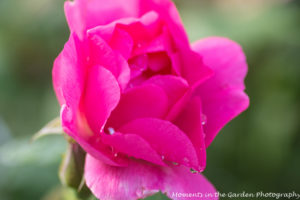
pixel 71 172
pixel 72 166
pixel 52 128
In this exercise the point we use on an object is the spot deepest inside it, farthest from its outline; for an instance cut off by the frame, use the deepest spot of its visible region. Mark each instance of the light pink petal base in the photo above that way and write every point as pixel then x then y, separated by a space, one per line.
pixel 141 179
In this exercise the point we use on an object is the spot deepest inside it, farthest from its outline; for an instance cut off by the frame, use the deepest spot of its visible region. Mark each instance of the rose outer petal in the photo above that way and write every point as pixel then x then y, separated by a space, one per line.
pixel 141 179
pixel 68 71
pixel 69 76
pixel 222 95
pixel 165 138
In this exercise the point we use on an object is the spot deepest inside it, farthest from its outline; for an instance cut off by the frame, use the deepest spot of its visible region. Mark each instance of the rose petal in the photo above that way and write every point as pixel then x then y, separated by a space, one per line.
pixel 181 53
pixel 174 86
pixel 122 42
pixel 144 31
pixel 220 108
pixel 226 58
pixel 190 121
pixel 68 78
pixel 167 12
pixel 138 65
pixel 69 73
pixel 158 61
pixel 139 102
pixel 196 72
pixel 141 179
pixel 83 15
pixel 180 104
pixel 222 95
pixel 165 138
pixel 132 145
pixel 75 128
pixel 102 54
pixel 102 94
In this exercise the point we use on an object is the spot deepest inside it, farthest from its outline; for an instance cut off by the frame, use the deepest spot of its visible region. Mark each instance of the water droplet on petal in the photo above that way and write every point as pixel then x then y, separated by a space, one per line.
pixel 162 157
pixel 203 119
pixel 111 130
pixel 113 151
pixel 175 163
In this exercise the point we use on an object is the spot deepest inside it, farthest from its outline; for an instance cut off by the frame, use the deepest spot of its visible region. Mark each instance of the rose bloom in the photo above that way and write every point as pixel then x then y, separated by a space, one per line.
pixel 140 100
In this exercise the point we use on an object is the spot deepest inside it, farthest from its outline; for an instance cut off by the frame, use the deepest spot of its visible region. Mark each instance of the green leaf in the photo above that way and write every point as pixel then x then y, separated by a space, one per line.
pixel 52 128
pixel 61 193
pixel 28 170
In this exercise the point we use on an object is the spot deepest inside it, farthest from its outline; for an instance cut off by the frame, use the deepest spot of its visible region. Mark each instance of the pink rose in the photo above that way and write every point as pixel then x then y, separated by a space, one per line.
pixel 140 100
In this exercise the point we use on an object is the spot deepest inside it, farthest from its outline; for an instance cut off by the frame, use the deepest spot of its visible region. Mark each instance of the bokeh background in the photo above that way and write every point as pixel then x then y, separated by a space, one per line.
pixel 258 151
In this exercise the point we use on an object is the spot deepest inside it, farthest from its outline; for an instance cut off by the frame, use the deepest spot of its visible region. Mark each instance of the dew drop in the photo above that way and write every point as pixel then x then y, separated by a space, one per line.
pixel 175 163
pixel 116 154
pixel 162 157
pixel 111 130
pixel 203 119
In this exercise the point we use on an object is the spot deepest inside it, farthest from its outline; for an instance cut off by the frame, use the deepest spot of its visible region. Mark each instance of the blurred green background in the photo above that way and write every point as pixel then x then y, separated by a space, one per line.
pixel 258 151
